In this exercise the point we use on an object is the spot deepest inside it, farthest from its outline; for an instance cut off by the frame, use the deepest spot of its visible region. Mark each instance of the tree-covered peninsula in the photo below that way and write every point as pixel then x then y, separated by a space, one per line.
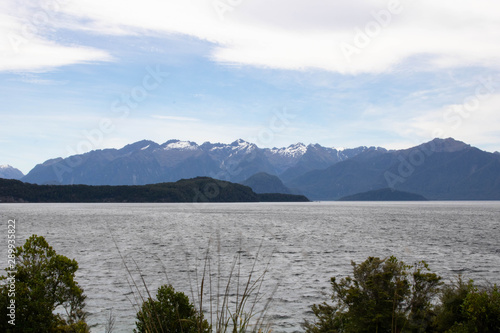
pixel 200 189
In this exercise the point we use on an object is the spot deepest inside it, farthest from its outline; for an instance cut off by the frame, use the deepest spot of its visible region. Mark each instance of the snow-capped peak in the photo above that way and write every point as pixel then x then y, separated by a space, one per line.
pixel 241 144
pixel 295 150
pixel 180 145
pixel 9 172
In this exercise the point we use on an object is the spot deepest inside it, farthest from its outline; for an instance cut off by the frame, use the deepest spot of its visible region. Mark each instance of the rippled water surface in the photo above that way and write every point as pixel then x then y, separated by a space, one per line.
pixel 302 245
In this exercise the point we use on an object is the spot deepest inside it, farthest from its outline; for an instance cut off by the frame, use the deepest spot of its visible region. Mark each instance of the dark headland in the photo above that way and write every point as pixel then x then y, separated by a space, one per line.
pixel 200 189
pixel 385 194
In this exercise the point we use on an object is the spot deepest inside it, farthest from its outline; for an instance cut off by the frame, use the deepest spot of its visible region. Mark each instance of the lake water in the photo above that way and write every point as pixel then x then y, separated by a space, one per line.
pixel 302 245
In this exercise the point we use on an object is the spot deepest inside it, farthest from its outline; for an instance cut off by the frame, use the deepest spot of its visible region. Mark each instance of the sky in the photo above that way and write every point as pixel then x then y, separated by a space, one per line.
pixel 82 75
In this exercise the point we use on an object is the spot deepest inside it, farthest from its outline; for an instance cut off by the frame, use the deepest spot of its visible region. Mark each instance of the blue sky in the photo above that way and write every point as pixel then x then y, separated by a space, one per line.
pixel 339 73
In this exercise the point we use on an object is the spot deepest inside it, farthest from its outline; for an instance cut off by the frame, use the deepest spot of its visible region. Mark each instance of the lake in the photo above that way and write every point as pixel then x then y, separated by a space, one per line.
pixel 300 246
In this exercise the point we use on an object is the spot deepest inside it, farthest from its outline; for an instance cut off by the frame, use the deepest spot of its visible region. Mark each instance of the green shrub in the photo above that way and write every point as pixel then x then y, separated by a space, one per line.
pixel 469 308
pixel 384 295
pixel 44 283
pixel 482 309
pixel 171 312
pixel 449 311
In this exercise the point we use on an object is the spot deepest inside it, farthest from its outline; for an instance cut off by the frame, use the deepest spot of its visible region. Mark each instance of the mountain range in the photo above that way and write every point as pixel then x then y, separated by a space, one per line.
pixel 442 169
pixel 146 162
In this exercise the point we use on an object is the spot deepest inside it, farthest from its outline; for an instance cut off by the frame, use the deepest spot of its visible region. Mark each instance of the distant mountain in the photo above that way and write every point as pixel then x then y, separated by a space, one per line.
pixel 146 162
pixel 316 157
pixel 442 169
pixel 8 172
pixel 201 189
pixel 385 194
pixel 265 183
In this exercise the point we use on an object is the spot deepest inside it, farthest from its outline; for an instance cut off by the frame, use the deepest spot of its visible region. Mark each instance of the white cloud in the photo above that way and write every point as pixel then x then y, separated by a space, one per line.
pixel 299 34
pixel 475 121
pixel 296 34
pixel 24 45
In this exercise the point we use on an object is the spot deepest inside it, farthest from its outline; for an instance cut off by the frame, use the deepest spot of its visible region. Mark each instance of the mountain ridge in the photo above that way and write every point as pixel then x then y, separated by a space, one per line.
pixel 146 162
pixel 441 169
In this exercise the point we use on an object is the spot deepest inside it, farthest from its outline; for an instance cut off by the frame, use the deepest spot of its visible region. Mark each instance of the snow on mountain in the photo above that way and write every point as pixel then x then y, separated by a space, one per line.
pixel 9 172
pixel 217 147
pixel 180 145
pixel 242 145
pixel 295 150
pixel 146 162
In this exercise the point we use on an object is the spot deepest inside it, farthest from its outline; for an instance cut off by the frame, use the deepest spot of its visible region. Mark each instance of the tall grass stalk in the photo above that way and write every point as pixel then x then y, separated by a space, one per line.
pixel 134 288
pixel 238 306
pixel 237 299
pixel 110 322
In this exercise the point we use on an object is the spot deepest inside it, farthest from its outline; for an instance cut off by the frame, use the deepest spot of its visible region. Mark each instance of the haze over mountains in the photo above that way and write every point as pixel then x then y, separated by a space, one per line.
pixel 442 169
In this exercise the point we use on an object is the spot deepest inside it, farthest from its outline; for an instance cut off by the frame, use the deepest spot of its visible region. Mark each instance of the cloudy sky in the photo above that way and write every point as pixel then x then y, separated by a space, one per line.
pixel 83 75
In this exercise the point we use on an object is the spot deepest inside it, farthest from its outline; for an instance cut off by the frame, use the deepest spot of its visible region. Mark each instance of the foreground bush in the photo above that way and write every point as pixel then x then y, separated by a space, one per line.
pixel 385 295
pixel 44 282
pixel 469 308
pixel 171 312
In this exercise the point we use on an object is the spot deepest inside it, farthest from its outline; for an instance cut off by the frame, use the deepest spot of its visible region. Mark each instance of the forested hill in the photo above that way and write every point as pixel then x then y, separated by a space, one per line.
pixel 385 194
pixel 201 189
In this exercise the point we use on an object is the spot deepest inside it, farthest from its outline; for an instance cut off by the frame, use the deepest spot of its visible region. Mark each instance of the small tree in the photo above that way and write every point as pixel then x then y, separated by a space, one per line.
pixel 425 288
pixel 482 309
pixel 171 312
pixel 469 308
pixel 382 296
pixel 449 312
pixel 44 283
